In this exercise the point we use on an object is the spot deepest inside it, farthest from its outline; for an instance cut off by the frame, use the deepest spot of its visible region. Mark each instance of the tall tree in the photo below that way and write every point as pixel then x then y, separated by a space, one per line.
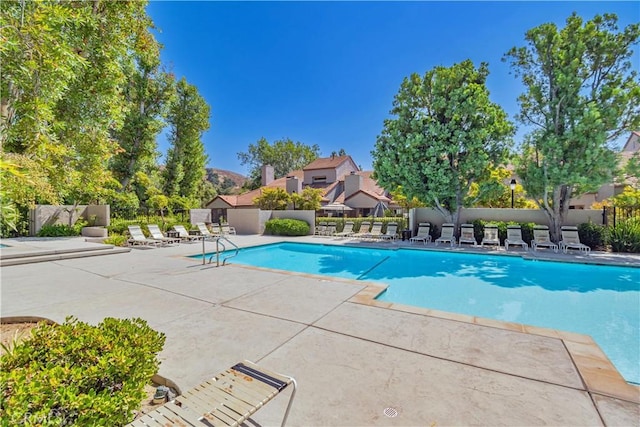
pixel 581 94
pixel 446 135
pixel 186 159
pixel 284 155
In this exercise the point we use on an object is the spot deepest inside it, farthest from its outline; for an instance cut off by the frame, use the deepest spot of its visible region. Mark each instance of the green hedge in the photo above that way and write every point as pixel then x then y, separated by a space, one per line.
pixel 286 227
pixel 78 374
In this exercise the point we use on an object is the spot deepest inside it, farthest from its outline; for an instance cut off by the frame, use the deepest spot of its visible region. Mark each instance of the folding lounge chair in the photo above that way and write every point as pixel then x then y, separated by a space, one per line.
pixel 467 235
pixel 347 230
pixel 541 239
pixel 204 231
pixel 490 236
pixel 374 233
pixel 514 238
pixel 156 234
pixel 139 239
pixel 226 229
pixel 391 233
pixel 365 226
pixel 446 235
pixel 423 233
pixel 571 240
pixel 229 399
pixel 184 234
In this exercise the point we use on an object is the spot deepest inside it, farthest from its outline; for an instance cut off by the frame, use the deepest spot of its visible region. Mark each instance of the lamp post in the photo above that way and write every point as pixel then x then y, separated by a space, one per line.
pixel 513 188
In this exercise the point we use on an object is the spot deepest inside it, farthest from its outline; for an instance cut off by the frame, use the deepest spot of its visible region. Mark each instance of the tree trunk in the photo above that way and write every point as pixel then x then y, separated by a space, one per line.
pixel 557 213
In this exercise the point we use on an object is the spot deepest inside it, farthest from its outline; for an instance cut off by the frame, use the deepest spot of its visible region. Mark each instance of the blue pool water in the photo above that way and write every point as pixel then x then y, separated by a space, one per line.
pixel 600 301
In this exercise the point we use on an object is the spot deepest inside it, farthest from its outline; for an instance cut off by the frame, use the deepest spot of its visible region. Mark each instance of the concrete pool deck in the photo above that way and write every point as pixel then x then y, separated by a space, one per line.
pixel 353 357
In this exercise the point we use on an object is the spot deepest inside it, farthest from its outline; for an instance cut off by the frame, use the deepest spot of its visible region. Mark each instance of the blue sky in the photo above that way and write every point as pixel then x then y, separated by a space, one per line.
pixel 326 72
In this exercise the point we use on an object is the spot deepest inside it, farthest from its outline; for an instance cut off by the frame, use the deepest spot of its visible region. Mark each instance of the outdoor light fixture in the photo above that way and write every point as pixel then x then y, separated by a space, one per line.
pixel 513 188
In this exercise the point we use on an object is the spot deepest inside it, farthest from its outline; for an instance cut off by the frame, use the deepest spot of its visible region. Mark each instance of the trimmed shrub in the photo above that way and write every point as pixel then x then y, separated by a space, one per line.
pixel 78 374
pixel 287 227
pixel 625 236
pixel 592 235
pixel 116 240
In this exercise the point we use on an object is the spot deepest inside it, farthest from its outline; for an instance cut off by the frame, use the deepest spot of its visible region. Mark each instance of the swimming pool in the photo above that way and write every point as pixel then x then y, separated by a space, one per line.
pixel 600 301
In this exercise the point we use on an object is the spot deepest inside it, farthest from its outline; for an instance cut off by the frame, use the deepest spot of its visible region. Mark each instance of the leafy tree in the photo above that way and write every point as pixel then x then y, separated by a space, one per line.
pixel 308 199
pixel 629 198
pixel 580 94
pixel 186 159
pixel 446 135
pixel 275 199
pixel 405 202
pixel 284 155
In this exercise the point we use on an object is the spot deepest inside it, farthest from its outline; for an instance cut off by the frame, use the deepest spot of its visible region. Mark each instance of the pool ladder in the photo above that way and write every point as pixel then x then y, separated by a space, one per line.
pixel 219 243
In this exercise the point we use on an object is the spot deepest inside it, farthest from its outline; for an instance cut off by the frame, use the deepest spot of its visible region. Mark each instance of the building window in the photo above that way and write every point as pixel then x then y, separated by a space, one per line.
pixel 319 179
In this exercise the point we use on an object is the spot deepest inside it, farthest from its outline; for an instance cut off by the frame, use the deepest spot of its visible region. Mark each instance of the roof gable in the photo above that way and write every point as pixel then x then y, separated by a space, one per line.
pixel 330 163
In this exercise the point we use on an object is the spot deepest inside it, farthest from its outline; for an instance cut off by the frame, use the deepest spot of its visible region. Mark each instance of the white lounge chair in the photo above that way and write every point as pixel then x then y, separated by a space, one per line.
pixel 228 399
pixel 541 239
pixel 347 230
pixel 321 228
pixel 391 233
pixel 446 235
pixel 365 226
pixel 226 229
pixel 374 233
pixel 514 238
pixel 331 229
pixel 424 228
pixel 571 240
pixel 467 235
pixel 490 236
pixel 204 231
pixel 156 234
pixel 184 234
pixel 139 239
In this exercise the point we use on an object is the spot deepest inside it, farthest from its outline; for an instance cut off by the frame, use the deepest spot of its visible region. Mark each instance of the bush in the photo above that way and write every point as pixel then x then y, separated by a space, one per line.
pixel 625 236
pixel 526 228
pixel 61 230
pixel 116 240
pixel 78 374
pixel 592 235
pixel 287 227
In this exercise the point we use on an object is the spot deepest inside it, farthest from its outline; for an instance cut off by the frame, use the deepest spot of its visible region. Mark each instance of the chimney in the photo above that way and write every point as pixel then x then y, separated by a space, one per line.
pixel 267 174
pixel 294 185
pixel 352 184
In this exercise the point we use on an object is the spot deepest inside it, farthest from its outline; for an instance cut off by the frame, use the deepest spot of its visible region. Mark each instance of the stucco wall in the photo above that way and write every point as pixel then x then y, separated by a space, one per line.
pixel 575 216
pixel 200 215
pixel 51 214
pixel 245 221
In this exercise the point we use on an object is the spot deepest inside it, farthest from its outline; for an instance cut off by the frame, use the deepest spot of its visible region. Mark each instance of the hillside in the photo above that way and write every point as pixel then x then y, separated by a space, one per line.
pixel 226 182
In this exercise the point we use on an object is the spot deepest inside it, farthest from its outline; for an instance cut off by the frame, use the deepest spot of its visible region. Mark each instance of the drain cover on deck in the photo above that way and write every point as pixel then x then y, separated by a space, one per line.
pixel 390 412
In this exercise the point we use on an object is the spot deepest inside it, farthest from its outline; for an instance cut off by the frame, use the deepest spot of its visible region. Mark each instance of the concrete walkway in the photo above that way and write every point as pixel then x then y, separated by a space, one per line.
pixel 353 357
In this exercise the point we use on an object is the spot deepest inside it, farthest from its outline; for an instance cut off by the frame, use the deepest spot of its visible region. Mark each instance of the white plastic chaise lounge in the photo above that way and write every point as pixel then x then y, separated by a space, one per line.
pixel 347 231
pixel 139 239
pixel 467 235
pixel 514 238
pixel 184 234
pixel 490 236
pixel 391 233
pixel 157 234
pixel 365 226
pixel 228 399
pixel 374 233
pixel 226 229
pixel 331 229
pixel 571 240
pixel 446 235
pixel 204 231
pixel 321 228
pixel 541 239
pixel 424 228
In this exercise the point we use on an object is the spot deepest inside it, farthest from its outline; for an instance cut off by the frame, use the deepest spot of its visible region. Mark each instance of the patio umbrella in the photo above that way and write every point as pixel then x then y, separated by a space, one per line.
pixel 336 206
pixel 378 210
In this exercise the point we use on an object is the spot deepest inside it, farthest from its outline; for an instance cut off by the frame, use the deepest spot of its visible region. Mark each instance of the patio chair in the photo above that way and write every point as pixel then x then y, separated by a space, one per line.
pixel 424 228
pixel 374 233
pixel 204 231
pixel 139 239
pixel 347 231
pixel 467 235
pixel 331 229
pixel 514 238
pixel 391 233
pixel 321 228
pixel 541 239
pixel 228 399
pixel 156 234
pixel 184 234
pixel 226 229
pixel 446 235
pixel 365 226
pixel 490 236
pixel 571 240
